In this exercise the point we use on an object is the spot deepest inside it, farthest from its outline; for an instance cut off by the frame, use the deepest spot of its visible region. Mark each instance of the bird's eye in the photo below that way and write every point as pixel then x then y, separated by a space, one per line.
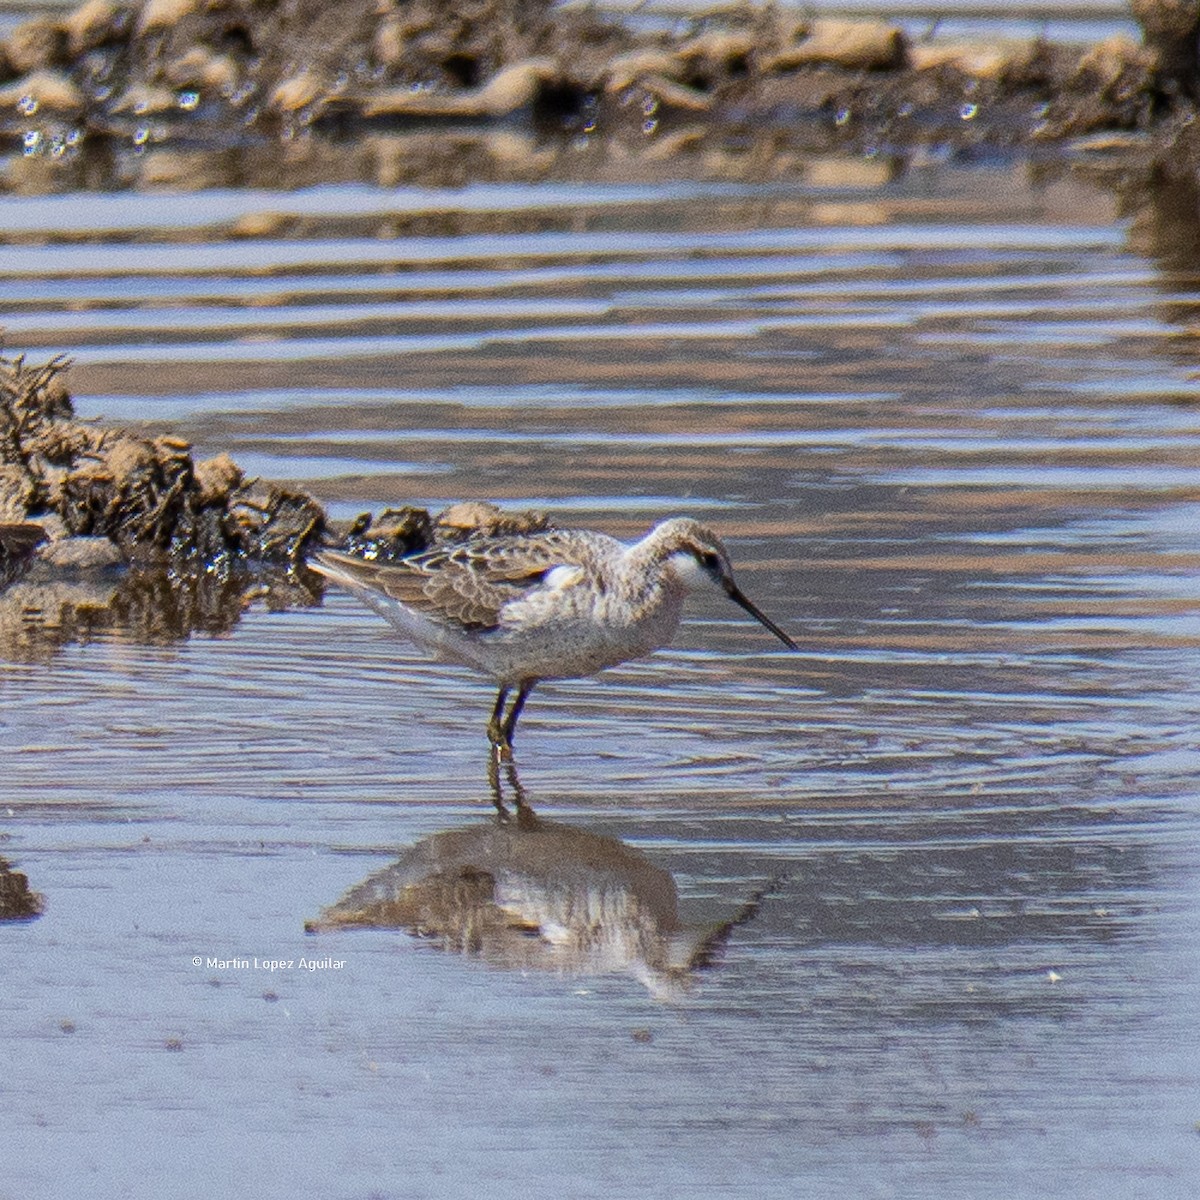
pixel 709 561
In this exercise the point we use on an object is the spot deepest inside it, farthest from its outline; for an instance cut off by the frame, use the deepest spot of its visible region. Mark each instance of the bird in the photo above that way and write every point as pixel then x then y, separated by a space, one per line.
pixel 521 608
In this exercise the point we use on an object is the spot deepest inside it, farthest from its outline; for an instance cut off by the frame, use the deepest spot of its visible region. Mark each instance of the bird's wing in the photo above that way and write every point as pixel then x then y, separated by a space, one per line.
pixel 466 585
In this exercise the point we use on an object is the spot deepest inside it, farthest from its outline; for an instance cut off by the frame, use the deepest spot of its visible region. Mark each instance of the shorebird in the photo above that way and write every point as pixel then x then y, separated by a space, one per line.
pixel 558 604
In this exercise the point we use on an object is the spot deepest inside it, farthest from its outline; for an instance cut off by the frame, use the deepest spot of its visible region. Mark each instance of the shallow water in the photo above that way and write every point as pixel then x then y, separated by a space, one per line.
pixel 945 418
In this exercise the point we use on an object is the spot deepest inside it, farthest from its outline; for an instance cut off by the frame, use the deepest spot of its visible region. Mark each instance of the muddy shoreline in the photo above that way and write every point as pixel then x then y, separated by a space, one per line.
pixel 103 529
pixel 214 78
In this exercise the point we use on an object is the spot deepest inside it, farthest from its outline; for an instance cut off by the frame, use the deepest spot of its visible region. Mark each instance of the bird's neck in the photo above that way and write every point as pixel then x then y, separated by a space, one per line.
pixel 645 558
pixel 645 569
pixel 651 552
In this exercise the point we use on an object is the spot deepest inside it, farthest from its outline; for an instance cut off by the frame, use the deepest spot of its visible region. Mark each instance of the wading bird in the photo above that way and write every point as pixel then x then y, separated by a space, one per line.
pixel 557 604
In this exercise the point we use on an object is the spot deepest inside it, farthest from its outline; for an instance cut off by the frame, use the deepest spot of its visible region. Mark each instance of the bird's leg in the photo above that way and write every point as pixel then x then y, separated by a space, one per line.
pixel 510 722
pixel 496 734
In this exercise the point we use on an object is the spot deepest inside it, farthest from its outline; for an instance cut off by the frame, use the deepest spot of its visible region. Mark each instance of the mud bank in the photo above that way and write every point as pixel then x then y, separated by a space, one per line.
pixel 105 531
pixel 219 72
pixel 104 496
pixel 102 530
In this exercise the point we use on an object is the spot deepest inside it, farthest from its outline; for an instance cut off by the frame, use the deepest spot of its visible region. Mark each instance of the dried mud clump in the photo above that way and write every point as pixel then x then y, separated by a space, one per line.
pixel 392 534
pixel 144 496
pixel 1171 32
pixel 17 902
pixel 79 495
pixel 249 62
pixel 478 518
pixel 397 532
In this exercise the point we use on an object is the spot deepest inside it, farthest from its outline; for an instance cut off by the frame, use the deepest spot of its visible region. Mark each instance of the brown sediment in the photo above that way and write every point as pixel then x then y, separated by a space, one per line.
pixel 396 532
pixel 77 495
pixel 226 73
pixel 81 503
pixel 146 497
pixel 104 531
pixel 17 902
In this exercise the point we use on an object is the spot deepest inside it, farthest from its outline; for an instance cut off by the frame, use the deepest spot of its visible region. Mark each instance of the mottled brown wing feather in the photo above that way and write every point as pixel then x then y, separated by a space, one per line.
pixel 467 584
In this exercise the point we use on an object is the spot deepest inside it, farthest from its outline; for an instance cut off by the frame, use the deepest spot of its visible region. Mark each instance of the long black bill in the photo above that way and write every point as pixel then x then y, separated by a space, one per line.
pixel 735 594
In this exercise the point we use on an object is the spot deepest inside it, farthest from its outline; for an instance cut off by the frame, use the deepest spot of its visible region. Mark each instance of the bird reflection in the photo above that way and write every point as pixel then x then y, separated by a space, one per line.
pixel 529 894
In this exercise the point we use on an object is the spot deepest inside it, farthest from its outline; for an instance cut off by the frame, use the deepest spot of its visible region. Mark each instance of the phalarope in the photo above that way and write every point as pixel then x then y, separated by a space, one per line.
pixel 559 604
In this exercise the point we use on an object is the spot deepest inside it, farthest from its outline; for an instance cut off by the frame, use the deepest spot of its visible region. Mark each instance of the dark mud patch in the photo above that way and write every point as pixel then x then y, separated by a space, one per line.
pixel 17 901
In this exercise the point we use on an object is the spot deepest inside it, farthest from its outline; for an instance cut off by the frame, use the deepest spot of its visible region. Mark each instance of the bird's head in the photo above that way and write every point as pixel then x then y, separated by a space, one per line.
pixel 699 560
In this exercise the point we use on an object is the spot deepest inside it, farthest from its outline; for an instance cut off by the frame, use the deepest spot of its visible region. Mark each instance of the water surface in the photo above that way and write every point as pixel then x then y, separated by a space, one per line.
pixel 945 418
